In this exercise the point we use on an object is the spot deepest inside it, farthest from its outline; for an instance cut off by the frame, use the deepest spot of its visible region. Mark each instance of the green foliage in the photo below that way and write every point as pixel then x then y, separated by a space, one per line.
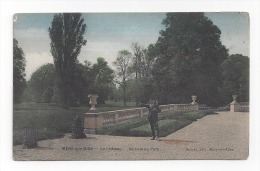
pixel 77 128
pixel 86 78
pixel 47 95
pixel 122 129
pixel 236 78
pixel 80 85
pixel 189 56
pixel 142 63
pixel 42 82
pixel 123 71
pixel 66 34
pixel 102 78
pixel 50 120
pixel 19 82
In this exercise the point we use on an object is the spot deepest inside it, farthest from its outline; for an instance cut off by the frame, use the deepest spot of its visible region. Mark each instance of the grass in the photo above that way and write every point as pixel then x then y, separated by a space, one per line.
pixel 49 119
pixel 122 129
pixel 48 123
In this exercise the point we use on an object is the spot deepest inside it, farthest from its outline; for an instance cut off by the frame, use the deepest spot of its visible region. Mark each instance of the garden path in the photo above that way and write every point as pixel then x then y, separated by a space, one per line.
pixel 221 136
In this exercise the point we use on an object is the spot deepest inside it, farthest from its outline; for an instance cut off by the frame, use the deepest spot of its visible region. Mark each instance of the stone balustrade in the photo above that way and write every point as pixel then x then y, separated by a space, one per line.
pixel 101 119
pixel 239 106
pixel 244 106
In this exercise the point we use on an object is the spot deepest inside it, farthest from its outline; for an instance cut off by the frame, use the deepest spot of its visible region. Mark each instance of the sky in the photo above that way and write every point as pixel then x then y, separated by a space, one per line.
pixel 108 33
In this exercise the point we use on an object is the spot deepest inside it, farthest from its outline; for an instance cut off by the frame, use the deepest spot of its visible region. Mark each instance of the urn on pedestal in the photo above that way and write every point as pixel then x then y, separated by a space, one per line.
pixel 93 101
pixel 234 105
pixel 193 99
pixel 234 99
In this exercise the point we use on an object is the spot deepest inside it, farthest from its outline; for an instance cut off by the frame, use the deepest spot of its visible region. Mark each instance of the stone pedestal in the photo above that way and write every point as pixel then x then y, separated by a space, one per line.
pixel 92 121
pixel 234 106
pixel 195 105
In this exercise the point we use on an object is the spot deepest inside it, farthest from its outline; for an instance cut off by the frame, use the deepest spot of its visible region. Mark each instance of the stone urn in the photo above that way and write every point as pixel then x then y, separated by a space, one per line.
pixel 93 101
pixel 193 98
pixel 30 136
pixel 234 99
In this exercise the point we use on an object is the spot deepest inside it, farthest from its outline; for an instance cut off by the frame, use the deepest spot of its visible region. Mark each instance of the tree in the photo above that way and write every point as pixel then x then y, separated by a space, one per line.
pixel 150 55
pixel 236 78
pixel 80 85
pixel 122 64
pixel 189 56
pixel 67 37
pixel 143 60
pixel 138 53
pixel 137 64
pixel 42 82
pixel 19 81
pixel 102 79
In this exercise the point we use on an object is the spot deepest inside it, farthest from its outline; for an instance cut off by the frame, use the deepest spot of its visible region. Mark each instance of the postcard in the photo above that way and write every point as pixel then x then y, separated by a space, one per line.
pixel 131 86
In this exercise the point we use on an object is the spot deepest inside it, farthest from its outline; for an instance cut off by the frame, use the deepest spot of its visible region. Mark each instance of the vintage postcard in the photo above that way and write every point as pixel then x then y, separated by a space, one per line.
pixel 131 86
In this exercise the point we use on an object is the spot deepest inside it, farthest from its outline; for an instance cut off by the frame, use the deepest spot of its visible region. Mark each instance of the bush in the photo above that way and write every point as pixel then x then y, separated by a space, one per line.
pixel 77 128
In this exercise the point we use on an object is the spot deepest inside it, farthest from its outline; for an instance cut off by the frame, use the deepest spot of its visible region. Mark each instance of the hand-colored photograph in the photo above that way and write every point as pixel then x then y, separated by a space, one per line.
pixel 131 86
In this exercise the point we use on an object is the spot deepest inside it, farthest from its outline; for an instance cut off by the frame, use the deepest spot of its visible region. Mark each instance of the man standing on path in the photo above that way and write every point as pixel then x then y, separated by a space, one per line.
pixel 152 117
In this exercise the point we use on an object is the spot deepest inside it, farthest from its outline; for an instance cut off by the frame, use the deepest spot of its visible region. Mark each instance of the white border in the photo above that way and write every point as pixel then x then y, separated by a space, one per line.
pixel 10 7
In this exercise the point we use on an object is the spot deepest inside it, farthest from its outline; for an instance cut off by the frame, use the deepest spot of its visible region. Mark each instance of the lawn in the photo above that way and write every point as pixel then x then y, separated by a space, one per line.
pixel 50 120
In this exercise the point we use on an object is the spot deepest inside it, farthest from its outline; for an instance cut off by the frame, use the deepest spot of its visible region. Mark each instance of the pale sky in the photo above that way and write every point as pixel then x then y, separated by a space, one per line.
pixel 108 33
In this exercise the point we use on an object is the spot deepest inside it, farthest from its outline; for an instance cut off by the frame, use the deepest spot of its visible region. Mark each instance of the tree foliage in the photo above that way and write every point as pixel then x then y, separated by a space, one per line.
pixel 236 78
pixel 67 37
pixel 123 72
pixel 19 82
pixel 189 56
pixel 80 85
pixel 102 79
pixel 41 83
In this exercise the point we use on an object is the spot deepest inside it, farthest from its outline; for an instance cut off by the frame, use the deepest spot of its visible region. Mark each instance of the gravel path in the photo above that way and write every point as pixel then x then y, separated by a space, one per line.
pixel 219 136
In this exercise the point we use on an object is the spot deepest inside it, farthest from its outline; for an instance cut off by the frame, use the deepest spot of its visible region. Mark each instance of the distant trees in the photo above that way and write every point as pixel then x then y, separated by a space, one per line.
pixel 138 52
pixel 123 72
pixel 19 82
pixel 67 37
pixel 189 54
pixel 42 82
pixel 87 79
